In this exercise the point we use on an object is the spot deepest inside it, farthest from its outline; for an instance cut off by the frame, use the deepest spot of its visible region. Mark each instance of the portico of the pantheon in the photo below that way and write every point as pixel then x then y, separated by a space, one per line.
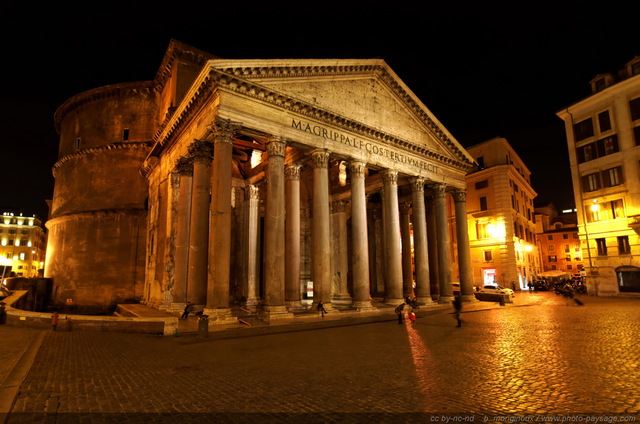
pixel 269 178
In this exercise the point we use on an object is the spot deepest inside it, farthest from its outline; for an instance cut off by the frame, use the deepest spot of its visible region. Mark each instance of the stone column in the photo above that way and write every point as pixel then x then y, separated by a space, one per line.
pixel 274 231
pixel 359 238
pixel 464 252
pixel 432 247
pixel 252 197
pixel 420 253
pixel 391 217
pixel 201 152
pixel 321 230
pixel 340 254
pixel 407 266
pixel 220 233
pixel 444 244
pixel 293 295
pixel 184 168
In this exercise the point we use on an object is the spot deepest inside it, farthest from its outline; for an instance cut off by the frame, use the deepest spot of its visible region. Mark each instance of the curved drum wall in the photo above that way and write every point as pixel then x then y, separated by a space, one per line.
pixel 97 230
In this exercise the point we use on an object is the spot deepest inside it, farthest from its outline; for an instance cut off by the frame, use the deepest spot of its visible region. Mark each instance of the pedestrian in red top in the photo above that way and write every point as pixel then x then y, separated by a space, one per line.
pixel 412 317
pixel 54 320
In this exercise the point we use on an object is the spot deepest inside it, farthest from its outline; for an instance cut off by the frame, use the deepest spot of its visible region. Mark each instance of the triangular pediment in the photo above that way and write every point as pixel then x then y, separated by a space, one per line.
pixel 365 91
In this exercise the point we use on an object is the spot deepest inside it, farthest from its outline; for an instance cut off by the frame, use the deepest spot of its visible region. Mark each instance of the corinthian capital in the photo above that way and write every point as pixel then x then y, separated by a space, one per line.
pixel 417 184
pixel 292 171
pixel 224 130
pixel 459 195
pixel 201 149
pixel 320 158
pixel 276 147
pixel 389 177
pixel 357 168
pixel 184 165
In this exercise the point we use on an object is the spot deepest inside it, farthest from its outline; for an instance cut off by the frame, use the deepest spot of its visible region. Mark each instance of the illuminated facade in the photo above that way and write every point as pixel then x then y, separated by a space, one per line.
pixel 22 246
pixel 558 241
pixel 603 137
pixel 501 217
pixel 249 182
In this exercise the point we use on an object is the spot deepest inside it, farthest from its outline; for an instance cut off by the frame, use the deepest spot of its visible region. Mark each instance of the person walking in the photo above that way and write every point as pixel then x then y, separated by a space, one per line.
pixel 54 320
pixel 400 312
pixel 321 308
pixel 412 317
pixel 187 310
pixel 457 306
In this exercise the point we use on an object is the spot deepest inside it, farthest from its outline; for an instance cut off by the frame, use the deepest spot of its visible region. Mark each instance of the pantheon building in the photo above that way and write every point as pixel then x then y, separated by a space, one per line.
pixel 267 184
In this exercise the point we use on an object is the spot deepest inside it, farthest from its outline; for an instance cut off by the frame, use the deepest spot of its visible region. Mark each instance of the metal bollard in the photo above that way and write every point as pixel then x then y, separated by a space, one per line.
pixel 203 326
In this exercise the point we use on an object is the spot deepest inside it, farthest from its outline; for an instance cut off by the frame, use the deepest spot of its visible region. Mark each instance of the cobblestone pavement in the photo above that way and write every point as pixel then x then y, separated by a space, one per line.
pixel 549 361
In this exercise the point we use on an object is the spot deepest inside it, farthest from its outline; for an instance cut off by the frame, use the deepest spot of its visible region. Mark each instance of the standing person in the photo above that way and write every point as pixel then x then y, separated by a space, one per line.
pixel 457 305
pixel 54 320
pixel 321 308
pixel 412 317
pixel 187 310
pixel 399 311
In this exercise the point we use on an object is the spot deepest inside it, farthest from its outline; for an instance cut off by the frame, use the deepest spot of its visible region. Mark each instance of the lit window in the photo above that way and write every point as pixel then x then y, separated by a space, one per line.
pixel 623 245
pixel 22 256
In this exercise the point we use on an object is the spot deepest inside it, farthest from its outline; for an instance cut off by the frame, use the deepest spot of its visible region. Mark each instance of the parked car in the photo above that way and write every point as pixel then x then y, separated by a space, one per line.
pixel 496 290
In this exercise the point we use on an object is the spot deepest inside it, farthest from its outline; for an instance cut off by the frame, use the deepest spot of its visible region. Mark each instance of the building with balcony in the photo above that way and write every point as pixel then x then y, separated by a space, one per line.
pixel 558 240
pixel 603 138
pixel 23 245
pixel 500 211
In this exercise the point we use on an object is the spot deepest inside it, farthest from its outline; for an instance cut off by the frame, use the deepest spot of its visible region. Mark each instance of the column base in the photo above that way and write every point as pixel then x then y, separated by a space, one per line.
pixel 363 305
pixel 220 316
pixel 468 298
pixel 177 307
pixel 445 299
pixel 394 301
pixel 295 306
pixel 425 301
pixel 252 303
pixel 344 300
pixel 277 312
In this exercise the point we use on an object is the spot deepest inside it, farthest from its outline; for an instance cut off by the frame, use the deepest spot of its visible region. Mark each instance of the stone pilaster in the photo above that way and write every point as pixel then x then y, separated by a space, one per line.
pixel 360 238
pixel 293 294
pixel 391 217
pixel 420 251
pixel 464 252
pixel 321 261
pixel 184 169
pixel 201 152
pixel 220 232
pixel 444 244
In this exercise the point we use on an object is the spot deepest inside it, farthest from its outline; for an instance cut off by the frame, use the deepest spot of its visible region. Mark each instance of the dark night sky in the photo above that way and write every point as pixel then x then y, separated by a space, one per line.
pixel 483 72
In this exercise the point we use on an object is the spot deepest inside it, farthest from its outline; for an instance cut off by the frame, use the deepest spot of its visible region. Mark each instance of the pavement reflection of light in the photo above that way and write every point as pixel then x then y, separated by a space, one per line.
pixel 426 369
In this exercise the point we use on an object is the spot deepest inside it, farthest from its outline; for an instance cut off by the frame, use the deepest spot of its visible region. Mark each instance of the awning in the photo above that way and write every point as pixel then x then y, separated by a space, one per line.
pixel 555 274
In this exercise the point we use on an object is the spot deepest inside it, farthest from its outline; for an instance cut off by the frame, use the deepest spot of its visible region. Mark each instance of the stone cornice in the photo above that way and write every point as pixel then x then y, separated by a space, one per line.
pixel 101 93
pixel 100 149
pixel 238 80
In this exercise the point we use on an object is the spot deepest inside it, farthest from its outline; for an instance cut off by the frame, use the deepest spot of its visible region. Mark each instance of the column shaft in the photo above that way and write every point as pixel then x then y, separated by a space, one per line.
pixel 293 294
pixel 252 197
pixel 274 229
pixel 407 266
pixel 181 256
pixel 321 230
pixel 421 254
pixel 464 253
pixel 432 248
pixel 359 237
pixel 444 244
pixel 199 224
pixel 391 217
pixel 220 233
